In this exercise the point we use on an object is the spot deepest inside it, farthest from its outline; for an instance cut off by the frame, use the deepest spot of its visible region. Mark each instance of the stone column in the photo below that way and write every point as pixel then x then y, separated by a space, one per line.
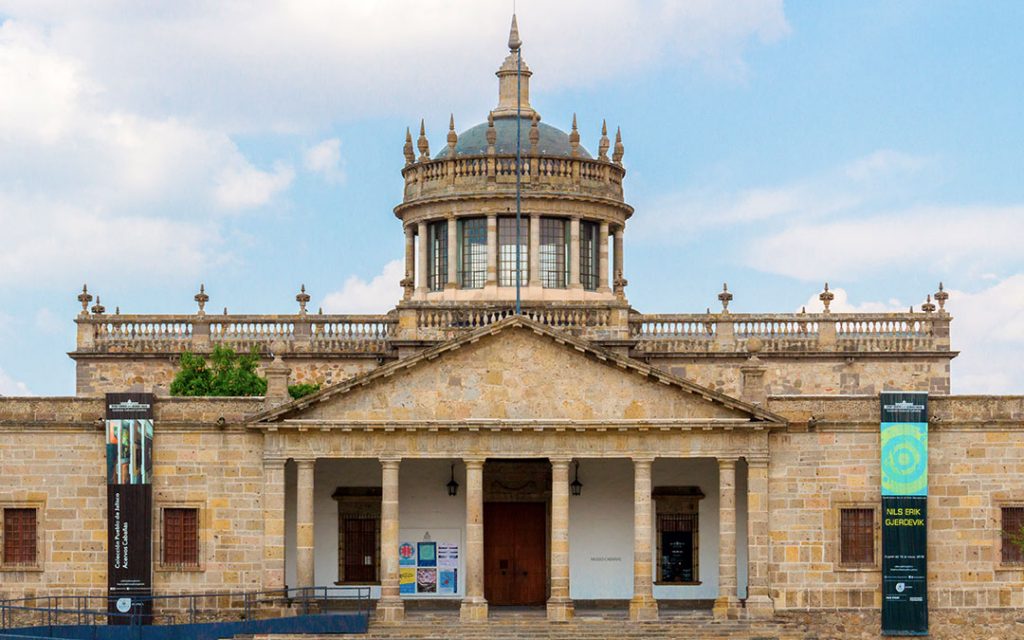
pixel 560 607
pixel 410 262
pixel 643 606
pixel 574 254
pixel 453 254
pixel 423 286
pixel 759 602
pixel 619 281
pixel 535 251
pixel 492 251
pixel 390 607
pixel 273 523
pixel 304 524
pixel 602 272
pixel 474 606
pixel 727 601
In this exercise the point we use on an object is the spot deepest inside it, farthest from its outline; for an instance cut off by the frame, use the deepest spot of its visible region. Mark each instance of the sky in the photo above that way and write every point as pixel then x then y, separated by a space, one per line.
pixel 146 148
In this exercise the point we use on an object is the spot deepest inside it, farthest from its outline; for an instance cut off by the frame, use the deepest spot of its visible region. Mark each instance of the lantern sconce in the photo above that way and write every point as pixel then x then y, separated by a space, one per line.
pixel 453 486
pixel 576 485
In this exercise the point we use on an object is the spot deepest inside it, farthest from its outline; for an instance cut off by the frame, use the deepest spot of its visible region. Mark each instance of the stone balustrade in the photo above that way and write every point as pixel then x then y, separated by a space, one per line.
pixel 494 172
pixel 646 334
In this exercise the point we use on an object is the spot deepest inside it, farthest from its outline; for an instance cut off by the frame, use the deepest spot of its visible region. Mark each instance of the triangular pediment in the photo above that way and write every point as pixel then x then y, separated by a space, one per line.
pixel 516 370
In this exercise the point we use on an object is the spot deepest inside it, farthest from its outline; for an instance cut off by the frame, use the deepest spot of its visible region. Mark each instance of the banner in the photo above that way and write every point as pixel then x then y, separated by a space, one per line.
pixel 904 446
pixel 129 438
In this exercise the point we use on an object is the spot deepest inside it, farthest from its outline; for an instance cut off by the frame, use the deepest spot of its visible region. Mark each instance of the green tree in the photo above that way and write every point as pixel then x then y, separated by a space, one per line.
pixel 226 374
pixel 298 390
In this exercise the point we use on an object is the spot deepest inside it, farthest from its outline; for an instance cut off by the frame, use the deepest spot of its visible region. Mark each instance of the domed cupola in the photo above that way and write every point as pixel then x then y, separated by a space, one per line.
pixel 459 206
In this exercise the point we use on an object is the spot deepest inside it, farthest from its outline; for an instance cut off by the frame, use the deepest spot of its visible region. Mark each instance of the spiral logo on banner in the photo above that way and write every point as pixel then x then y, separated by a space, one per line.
pixel 904 459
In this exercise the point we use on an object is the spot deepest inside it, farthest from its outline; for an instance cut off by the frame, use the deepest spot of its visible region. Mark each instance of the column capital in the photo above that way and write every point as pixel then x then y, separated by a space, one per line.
pixel 305 463
pixel 724 462
pixel 566 460
pixel 474 461
pixel 644 459
pixel 757 461
pixel 274 459
pixel 390 461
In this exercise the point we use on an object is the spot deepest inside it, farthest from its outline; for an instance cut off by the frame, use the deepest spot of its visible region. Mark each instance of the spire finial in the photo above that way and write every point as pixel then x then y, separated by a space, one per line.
pixel 201 298
pixel 85 298
pixel 928 306
pixel 619 150
pixel 492 133
pixel 410 157
pixel 574 138
pixel 453 138
pixel 534 134
pixel 514 42
pixel 422 143
pixel 725 297
pixel 302 298
pixel 98 308
pixel 602 147
pixel 941 296
pixel 826 298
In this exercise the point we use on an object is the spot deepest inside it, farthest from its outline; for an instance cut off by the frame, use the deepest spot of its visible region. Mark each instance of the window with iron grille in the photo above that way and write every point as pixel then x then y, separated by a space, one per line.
pixel 677 547
pixel 360 543
pixel 1013 522
pixel 437 255
pixel 857 536
pixel 507 252
pixel 554 253
pixel 19 536
pixel 181 537
pixel 590 247
pixel 472 252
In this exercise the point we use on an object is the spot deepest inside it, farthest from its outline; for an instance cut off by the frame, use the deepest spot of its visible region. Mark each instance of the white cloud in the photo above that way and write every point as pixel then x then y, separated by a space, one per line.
pixel 378 295
pixel 841 304
pixel 325 160
pixel 326 60
pixel 988 330
pixel 11 387
pixel 243 185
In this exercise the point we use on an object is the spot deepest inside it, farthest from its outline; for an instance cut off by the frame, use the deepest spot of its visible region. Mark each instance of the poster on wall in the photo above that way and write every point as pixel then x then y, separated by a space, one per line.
pixel 129 445
pixel 904 447
pixel 407 554
pixel 427 552
pixel 406 581
pixel 447 554
pixel 447 583
pixel 426 581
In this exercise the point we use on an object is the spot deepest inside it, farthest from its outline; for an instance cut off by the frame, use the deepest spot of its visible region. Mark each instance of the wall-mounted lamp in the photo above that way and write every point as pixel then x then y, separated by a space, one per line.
pixel 576 486
pixel 453 487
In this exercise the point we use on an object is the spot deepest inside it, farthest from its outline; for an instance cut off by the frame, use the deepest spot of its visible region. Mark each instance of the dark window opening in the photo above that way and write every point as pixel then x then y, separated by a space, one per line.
pixel 590 258
pixel 437 255
pixel 857 541
pixel 19 536
pixel 1013 523
pixel 181 537
pixel 473 253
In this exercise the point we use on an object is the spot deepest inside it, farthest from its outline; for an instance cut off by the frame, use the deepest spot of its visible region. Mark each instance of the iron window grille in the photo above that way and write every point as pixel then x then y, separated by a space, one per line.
pixel 590 259
pixel 1013 522
pixel 857 536
pixel 507 252
pixel 19 536
pixel 437 255
pixel 554 253
pixel 472 253
pixel 181 537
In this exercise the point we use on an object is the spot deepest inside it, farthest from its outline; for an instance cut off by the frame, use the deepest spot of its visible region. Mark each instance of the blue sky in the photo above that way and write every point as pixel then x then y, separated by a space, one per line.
pixel 146 149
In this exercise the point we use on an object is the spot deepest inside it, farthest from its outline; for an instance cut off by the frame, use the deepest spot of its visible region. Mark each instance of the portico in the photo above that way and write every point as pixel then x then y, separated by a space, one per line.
pixel 660 461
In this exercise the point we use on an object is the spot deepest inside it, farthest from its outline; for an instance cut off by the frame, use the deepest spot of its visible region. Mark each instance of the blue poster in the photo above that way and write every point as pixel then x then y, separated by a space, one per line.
pixel 447 581
pixel 427 552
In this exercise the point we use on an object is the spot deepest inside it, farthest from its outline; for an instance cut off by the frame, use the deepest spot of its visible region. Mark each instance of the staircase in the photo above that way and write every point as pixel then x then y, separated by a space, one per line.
pixel 506 625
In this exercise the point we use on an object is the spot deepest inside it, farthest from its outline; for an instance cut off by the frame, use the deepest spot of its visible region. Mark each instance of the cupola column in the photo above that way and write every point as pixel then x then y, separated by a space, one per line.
pixel 492 251
pixel 423 284
pixel 574 253
pixel 534 251
pixel 602 273
pixel 619 281
pixel 453 254
pixel 410 262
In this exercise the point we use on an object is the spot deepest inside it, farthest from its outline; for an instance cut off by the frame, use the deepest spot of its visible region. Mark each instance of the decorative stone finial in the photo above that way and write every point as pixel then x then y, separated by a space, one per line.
pixel 117 311
pixel 492 133
pixel 85 298
pixel 941 296
pixel 619 150
pixel 453 138
pixel 410 157
pixel 602 147
pixel 225 311
pixel 574 138
pixel 725 297
pixel 803 309
pixel 422 144
pixel 302 298
pixel 534 135
pixel 826 298
pixel 321 311
pixel 514 42
pixel 98 308
pixel 928 306
pixel 201 298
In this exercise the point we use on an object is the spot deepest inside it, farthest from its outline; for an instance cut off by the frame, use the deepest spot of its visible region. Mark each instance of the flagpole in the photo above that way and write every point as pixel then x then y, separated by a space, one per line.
pixel 519 161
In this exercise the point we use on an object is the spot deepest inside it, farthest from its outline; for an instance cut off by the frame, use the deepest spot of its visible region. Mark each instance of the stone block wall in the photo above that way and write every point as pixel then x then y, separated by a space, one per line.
pixel 976 465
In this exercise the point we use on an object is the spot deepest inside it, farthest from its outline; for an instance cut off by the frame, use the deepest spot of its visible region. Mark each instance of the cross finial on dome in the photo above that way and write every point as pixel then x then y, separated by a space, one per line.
pixel 514 42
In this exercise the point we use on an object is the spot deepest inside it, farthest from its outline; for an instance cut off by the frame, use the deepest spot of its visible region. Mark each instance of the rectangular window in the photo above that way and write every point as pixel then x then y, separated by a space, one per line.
pixel 181 537
pixel 507 252
pixel 1013 524
pixel 359 541
pixel 472 252
pixel 19 536
pixel 677 547
pixel 554 253
pixel 590 258
pixel 437 255
pixel 857 536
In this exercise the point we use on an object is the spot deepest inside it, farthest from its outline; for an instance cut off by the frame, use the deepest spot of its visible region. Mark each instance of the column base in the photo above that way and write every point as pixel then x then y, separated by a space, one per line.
pixel 473 610
pixel 726 608
pixel 760 607
pixel 643 609
pixel 560 610
pixel 390 610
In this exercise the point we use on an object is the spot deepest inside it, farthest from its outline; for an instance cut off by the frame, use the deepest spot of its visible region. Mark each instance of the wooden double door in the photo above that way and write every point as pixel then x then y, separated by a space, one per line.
pixel 515 553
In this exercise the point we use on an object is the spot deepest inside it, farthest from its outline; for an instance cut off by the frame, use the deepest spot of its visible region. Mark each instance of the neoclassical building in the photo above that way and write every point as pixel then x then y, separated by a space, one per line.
pixel 577 454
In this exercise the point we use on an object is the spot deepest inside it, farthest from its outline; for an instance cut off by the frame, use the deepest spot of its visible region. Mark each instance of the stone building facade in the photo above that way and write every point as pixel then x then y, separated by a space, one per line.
pixel 600 456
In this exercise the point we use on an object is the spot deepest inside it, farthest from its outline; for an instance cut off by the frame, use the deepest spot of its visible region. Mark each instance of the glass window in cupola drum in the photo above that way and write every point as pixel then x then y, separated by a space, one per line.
pixel 472 253
pixel 554 252
pixel 437 255
pixel 507 251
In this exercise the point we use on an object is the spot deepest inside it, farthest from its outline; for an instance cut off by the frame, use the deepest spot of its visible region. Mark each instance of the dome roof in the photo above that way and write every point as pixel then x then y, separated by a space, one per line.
pixel 553 141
